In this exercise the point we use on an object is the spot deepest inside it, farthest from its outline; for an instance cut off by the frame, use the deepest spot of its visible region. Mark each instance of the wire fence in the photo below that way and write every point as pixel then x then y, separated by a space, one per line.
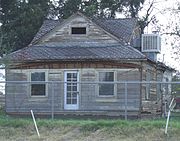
pixel 118 98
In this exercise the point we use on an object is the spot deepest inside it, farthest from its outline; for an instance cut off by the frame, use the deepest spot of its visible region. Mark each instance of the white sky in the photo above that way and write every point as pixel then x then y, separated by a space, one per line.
pixel 164 17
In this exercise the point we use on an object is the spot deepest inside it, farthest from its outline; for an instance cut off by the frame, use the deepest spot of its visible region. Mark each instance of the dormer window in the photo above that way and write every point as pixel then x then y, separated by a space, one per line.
pixel 78 30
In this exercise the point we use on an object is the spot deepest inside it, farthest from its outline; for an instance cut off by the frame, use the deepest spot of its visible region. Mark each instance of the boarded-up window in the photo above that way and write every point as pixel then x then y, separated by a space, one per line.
pixel 106 89
pixel 38 88
pixel 78 30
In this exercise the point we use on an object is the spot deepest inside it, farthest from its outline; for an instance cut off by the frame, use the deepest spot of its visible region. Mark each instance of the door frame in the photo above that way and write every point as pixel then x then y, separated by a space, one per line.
pixel 70 106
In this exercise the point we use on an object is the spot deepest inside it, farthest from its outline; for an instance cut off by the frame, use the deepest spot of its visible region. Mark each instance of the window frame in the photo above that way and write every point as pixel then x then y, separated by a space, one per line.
pixel 82 27
pixel 115 85
pixel 78 26
pixel 31 82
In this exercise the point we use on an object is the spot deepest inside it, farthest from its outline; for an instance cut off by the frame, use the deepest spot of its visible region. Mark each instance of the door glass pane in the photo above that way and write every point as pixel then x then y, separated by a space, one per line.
pixel 74 101
pixel 74 88
pixel 74 95
pixel 68 95
pixel 69 88
pixel 68 101
pixel 69 75
pixel 75 75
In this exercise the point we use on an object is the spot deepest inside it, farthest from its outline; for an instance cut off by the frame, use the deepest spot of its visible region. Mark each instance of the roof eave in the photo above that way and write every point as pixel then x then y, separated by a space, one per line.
pixel 80 60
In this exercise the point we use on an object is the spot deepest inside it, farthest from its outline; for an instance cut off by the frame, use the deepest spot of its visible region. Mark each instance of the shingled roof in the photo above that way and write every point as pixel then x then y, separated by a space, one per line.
pixel 39 53
pixel 121 28
pixel 64 51
pixel 46 27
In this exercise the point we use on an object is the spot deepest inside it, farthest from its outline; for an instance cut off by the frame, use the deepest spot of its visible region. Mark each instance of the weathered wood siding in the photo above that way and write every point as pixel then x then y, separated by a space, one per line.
pixel 16 93
pixel 94 34
pixel 133 90
pixel 151 100
pixel 18 99
pixel 77 64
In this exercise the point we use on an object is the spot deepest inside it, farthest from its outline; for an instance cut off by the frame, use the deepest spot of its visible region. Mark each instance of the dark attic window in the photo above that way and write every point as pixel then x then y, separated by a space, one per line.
pixel 78 30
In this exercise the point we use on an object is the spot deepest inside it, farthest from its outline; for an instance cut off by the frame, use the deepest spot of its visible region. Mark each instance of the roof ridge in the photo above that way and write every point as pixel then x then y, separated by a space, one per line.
pixel 113 18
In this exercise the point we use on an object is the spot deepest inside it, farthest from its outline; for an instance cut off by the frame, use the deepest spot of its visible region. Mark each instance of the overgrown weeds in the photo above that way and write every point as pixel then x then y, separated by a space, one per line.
pixel 87 124
pixel 87 129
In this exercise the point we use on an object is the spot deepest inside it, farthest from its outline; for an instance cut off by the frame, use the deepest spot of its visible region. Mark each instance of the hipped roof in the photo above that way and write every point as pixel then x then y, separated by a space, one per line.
pixel 38 53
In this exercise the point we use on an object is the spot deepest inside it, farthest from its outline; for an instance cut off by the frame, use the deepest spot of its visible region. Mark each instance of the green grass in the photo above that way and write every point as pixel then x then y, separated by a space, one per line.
pixel 83 129
pixel 87 124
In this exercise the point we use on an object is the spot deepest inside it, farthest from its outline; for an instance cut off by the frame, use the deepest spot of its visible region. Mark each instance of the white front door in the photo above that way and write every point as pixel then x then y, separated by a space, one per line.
pixel 71 90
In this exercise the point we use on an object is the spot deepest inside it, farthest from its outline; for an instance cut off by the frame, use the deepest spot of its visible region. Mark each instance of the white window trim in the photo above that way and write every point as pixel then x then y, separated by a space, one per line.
pixel 115 85
pixel 66 107
pixel 46 84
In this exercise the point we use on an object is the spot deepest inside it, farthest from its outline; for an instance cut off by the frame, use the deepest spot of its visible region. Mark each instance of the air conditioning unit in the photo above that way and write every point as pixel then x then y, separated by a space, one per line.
pixel 151 43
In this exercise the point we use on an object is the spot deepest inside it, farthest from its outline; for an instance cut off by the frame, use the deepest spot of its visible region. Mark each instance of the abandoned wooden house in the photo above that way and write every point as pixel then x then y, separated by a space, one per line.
pixel 73 66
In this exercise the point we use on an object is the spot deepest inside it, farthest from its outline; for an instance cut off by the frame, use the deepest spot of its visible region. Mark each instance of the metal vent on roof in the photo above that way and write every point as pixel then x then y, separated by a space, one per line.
pixel 151 43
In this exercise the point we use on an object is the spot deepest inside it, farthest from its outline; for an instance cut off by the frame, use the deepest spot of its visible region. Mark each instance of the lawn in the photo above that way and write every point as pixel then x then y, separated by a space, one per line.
pixel 22 129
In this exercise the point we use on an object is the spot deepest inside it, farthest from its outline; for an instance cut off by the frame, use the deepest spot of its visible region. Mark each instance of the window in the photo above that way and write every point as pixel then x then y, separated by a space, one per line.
pixel 38 89
pixel 78 30
pixel 106 89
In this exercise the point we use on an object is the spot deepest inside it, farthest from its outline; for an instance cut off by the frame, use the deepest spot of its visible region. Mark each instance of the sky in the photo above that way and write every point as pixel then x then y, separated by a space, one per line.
pixel 164 16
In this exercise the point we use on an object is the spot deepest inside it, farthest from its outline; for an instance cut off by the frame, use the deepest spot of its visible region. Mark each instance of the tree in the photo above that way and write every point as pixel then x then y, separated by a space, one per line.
pixel 20 20
pixel 65 8
pixel 133 7
pixel 147 18
pixel 98 8
pixel 170 30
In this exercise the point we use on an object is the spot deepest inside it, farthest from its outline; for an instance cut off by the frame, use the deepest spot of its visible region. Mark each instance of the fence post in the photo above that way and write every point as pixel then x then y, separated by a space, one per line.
pixel 32 114
pixel 125 100
pixel 52 103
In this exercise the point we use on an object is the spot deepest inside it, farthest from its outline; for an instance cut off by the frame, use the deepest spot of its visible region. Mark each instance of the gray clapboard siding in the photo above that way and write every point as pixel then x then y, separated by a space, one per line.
pixel 57 89
pixel 90 99
pixel 94 33
pixel 153 103
pixel 87 91
pixel 16 93
pixel 19 100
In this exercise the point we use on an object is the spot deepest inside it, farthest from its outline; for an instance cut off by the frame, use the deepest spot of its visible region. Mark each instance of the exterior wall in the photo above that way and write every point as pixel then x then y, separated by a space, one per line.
pixel 151 98
pixel 94 34
pixel 166 90
pixel 18 99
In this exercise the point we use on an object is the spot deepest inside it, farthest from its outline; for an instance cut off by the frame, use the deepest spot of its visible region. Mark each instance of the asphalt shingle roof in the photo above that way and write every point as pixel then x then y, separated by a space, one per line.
pixel 121 28
pixel 39 53
pixel 64 51
pixel 46 27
